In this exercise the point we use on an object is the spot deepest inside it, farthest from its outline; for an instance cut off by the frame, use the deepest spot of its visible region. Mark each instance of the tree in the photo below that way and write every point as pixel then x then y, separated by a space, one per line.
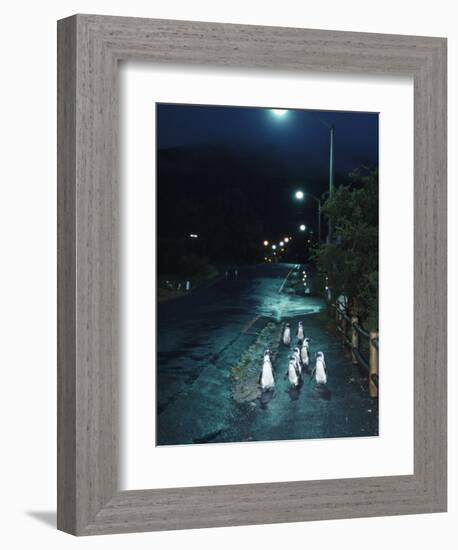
pixel 350 262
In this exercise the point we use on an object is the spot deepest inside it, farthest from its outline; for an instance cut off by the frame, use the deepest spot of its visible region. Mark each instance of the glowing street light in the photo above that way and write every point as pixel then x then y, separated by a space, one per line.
pixel 274 247
pixel 279 112
pixel 302 227
pixel 266 243
pixel 282 243
pixel 286 239
pixel 300 194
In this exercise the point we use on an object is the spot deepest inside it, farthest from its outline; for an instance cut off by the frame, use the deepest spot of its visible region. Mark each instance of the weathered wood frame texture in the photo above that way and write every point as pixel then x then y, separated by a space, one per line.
pixel 89 49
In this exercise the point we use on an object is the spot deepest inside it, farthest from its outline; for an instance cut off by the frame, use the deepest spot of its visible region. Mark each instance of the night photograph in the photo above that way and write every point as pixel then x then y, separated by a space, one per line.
pixel 267 274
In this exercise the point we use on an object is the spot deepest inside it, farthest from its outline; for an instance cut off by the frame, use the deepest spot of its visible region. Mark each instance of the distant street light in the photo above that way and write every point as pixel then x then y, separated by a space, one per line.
pixel 274 247
pixel 302 227
pixel 286 239
pixel 300 195
pixel 282 243
pixel 266 243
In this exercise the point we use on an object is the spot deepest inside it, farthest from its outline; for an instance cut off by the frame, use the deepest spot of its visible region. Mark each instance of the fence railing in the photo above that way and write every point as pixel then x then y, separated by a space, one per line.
pixel 363 345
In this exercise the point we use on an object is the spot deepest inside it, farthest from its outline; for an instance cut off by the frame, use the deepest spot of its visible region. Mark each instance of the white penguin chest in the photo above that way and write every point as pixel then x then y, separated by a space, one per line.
pixel 305 355
pixel 267 378
pixel 287 335
pixel 292 374
pixel 320 373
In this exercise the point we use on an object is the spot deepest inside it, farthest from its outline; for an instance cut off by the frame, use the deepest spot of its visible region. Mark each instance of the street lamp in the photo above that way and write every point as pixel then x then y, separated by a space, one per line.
pixel 331 128
pixel 302 195
pixel 302 227
pixel 282 243
pixel 279 112
pixel 266 243
pixel 274 246
pixel 331 170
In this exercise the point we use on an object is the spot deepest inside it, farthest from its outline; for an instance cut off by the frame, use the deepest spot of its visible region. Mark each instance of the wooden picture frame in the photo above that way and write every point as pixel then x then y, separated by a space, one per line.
pixel 89 49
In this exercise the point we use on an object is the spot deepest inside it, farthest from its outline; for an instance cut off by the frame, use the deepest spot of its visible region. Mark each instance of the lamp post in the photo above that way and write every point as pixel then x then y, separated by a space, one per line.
pixel 319 215
pixel 280 113
pixel 300 195
pixel 331 170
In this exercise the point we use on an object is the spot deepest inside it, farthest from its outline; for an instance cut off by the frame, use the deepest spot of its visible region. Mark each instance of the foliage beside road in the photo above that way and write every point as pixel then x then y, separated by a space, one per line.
pixel 350 261
pixel 195 270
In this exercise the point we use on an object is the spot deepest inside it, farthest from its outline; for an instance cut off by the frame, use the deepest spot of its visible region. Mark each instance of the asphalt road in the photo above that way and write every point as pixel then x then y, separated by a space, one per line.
pixel 202 336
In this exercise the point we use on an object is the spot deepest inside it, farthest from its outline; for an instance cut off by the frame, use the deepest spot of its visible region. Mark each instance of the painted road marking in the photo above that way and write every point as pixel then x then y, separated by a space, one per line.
pixel 250 324
pixel 286 278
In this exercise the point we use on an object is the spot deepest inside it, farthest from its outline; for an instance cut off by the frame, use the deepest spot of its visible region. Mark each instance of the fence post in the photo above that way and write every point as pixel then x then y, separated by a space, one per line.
pixel 344 329
pixel 354 340
pixel 373 363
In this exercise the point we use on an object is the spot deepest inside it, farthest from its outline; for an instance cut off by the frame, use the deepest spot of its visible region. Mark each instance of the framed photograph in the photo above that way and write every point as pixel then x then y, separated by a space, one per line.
pixel 235 239
pixel 251 275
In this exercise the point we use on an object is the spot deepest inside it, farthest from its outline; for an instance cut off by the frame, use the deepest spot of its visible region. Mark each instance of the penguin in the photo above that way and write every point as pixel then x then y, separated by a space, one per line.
pixel 297 359
pixel 287 335
pixel 291 374
pixel 268 357
pixel 266 379
pixel 320 370
pixel 300 331
pixel 305 353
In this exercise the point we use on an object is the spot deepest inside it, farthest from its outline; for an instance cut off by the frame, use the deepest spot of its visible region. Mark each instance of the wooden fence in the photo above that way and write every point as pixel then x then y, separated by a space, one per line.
pixel 363 345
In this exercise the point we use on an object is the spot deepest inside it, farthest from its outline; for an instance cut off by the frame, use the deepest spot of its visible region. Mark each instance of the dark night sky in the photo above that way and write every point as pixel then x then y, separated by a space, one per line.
pixel 220 155
pixel 299 138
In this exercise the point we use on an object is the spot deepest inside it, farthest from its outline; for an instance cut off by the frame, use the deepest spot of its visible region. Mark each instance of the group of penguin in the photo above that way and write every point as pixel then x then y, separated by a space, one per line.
pixel 298 361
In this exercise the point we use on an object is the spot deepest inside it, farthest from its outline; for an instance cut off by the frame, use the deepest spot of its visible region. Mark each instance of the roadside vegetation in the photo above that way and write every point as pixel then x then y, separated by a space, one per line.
pixel 349 265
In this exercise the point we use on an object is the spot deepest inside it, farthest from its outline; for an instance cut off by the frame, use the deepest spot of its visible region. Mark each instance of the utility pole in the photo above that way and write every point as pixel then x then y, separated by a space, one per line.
pixel 331 173
pixel 319 221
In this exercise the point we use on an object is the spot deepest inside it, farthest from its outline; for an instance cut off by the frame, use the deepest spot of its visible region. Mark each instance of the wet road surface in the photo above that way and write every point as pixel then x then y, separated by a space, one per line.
pixel 203 335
